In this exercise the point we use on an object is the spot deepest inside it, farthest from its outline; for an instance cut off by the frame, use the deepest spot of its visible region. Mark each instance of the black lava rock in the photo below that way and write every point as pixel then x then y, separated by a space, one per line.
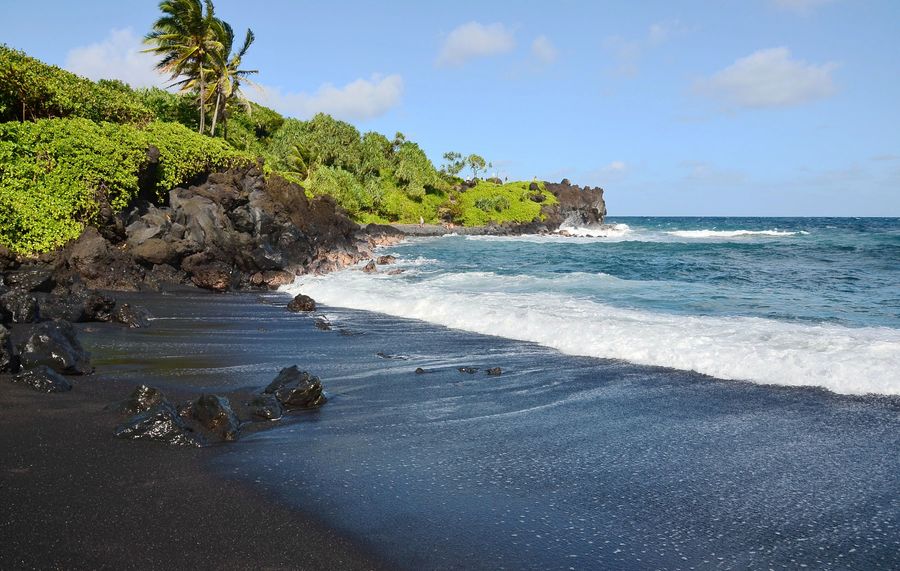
pixel 18 306
pixel 141 399
pixel 215 414
pixel 469 370
pixel 302 303
pixel 134 316
pixel 162 424
pixel 266 407
pixel 495 371
pixel 297 389
pixel 54 344
pixel 43 379
pixel 420 371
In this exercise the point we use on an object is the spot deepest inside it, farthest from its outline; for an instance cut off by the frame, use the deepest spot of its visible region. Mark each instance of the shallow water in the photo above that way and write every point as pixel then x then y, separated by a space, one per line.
pixel 561 463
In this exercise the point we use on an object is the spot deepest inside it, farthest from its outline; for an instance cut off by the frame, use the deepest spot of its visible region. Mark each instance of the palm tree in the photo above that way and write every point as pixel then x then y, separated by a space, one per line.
pixel 229 76
pixel 186 39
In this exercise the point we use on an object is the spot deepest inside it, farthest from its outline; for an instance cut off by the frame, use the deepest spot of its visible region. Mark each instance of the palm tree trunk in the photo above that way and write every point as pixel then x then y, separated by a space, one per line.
pixel 212 128
pixel 202 102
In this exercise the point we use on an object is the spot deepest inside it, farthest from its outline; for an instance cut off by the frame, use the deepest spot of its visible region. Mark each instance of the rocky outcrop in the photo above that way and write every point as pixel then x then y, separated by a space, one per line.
pixel 580 206
pixel 238 229
pixel 214 413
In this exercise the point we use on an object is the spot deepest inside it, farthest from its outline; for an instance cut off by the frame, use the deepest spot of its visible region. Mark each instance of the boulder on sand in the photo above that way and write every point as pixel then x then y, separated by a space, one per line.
pixel 296 389
pixel 301 303
pixel 162 424
pixel 43 379
pixel 54 344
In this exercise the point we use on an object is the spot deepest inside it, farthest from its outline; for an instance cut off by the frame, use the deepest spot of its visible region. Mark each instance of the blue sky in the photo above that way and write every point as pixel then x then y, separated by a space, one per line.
pixel 721 107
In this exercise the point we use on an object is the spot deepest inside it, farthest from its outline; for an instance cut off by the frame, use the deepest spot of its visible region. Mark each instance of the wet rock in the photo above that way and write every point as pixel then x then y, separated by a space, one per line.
pixel 495 371
pixel 141 399
pixel 97 307
pixel 18 306
pixel 370 267
pixel 323 324
pixel 296 389
pixel 420 371
pixel 54 344
pixel 215 414
pixel 7 357
pixel 468 370
pixel 396 272
pixel 30 280
pixel 384 260
pixel 266 407
pixel 272 279
pixel 134 316
pixel 43 379
pixel 162 424
pixel 212 277
pixel 77 305
pixel 301 303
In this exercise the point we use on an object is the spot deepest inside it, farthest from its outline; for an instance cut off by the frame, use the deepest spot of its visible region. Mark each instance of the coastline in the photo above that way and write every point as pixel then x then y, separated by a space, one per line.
pixel 78 498
pixel 464 449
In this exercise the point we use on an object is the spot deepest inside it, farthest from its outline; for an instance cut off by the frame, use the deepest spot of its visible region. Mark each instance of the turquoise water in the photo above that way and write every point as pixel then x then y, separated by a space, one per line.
pixel 791 301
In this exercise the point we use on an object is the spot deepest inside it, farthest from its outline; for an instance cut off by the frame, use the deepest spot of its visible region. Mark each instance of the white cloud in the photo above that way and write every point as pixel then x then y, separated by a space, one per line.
pixel 800 6
pixel 475 40
pixel 769 78
pixel 358 100
pixel 116 57
pixel 543 50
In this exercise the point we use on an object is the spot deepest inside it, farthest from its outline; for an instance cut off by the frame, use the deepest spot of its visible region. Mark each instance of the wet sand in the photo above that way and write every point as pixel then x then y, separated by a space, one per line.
pixel 74 497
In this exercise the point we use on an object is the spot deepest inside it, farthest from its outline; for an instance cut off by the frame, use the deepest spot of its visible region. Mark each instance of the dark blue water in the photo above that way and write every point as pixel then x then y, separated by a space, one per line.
pixel 726 297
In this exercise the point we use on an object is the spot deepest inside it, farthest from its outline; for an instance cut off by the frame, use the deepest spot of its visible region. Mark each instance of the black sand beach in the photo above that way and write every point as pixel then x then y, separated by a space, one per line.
pixel 560 462
pixel 74 497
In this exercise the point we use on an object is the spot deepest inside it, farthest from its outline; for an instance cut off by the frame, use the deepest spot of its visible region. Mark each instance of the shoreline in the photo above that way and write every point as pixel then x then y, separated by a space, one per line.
pixel 78 498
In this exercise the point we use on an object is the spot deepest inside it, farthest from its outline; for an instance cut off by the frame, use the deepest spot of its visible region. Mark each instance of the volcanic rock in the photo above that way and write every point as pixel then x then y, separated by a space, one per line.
pixel 162 424
pixel 297 389
pixel 54 344
pixel 43 379
pixel 301 303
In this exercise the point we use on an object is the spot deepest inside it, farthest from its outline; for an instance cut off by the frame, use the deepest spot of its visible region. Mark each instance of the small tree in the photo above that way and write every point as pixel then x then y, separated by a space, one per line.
pixel 477 164
pixel 454 165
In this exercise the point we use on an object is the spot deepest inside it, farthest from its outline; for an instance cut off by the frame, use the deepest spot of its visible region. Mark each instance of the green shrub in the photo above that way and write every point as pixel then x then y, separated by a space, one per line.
pixel 31 89
pixel 489 202
pixel 52 171
pixel 343 186
pixel 492 203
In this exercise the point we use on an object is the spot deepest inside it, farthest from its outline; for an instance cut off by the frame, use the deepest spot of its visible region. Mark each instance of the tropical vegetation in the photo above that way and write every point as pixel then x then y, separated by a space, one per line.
pixel 69 145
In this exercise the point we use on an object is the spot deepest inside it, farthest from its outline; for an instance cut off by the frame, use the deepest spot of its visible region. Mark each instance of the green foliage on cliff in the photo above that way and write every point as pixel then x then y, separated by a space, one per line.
pixel 68 145
pixel 31 89
pixel 55 173
pixel 490 202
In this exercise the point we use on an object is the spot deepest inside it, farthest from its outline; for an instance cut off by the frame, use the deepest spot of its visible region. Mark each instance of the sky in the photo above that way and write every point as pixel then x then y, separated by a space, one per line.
pixel 696 108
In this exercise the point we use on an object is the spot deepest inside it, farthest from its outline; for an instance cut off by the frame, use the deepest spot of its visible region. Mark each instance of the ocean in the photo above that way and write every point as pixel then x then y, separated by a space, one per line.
pixel 675 394
pixel 787 301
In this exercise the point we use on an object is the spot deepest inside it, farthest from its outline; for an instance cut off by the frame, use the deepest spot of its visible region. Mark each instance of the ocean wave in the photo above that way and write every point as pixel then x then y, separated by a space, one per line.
pixel 733 233
pixel 604 231
pixel 841 359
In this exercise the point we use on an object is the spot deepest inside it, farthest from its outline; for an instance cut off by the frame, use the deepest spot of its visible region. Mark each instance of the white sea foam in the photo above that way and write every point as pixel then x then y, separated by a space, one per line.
pixel 844 360
pixel 732 233
pixel 603 231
